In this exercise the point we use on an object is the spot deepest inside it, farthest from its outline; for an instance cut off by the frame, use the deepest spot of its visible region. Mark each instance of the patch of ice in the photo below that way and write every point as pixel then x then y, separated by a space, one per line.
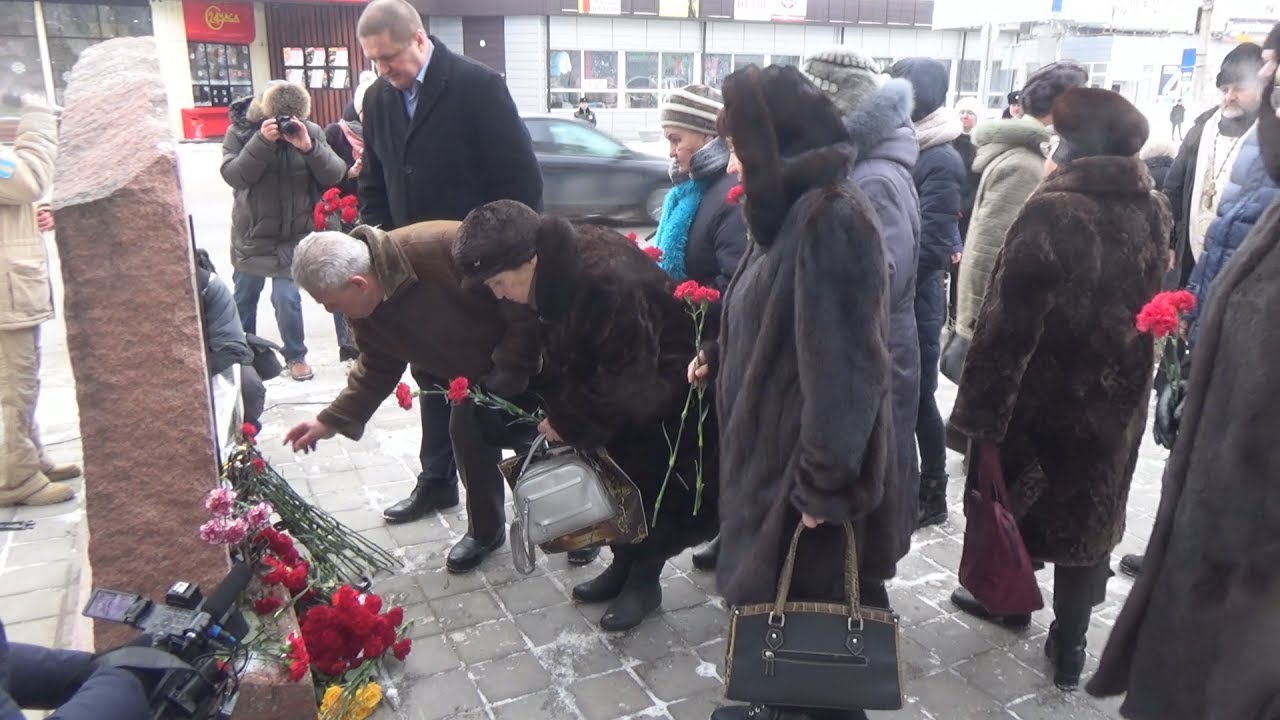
pixel 707 670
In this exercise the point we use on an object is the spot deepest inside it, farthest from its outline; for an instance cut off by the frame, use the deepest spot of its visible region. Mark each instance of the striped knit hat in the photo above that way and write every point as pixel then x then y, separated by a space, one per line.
pixel 694 107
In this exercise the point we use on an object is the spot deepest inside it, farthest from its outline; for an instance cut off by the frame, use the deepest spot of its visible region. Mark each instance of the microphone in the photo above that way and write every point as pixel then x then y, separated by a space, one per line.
pixel 221 603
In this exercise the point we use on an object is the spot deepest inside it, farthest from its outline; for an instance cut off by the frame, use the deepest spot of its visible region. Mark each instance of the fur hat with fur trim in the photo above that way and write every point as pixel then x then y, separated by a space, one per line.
pixel 693 107
pixel 1093 121
pixel 281 97
pixel 495 237
pixel 1046 84
pixel 1241 65
pixel 847 76
pixel 929 81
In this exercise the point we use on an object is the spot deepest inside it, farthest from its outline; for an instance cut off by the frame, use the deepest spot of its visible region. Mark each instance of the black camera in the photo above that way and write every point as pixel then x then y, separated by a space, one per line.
pixel 287 126
pixel 193 643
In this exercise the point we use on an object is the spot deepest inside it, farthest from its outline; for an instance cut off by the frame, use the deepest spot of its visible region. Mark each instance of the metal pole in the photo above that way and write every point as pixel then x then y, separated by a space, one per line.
pixel 1201 77
pixel 986 40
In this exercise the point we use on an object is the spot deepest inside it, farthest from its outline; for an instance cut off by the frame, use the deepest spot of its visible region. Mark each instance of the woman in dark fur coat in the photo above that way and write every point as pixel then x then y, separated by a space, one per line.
pixel 615 346
pixel 1057 378
pixel 802 369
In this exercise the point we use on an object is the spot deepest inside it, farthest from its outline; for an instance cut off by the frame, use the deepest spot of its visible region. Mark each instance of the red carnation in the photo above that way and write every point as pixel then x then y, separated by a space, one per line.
pixel 259 465
pixel 654 253
pixel 330 206
pixel 1181 300
pixel 346 598
pixel 349 201
pixel 705 295
pixel 296 580
pixel 248 432
pixel 372 603
pixel 319 219
pixel 267 605
pixel 459 389
pixel 687 290
pixel 735 194
pixel 349 214
pixel 404 396
pixel 396 616
pixel 1158 318
pixel 331 194
pixel 300 659
pixel 633 237
pixel 402 648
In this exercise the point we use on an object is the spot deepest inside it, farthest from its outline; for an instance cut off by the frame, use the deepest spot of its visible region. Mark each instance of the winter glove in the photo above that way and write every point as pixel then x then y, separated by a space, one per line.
pixel 1169 403
pixel 505 384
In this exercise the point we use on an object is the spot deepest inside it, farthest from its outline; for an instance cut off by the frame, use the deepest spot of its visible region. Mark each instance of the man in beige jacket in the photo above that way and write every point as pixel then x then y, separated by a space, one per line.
pixel 26 300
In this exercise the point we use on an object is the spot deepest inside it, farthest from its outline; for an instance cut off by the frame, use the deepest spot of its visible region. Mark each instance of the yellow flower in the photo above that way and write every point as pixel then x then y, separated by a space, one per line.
pixel 368 697
pixel 331 697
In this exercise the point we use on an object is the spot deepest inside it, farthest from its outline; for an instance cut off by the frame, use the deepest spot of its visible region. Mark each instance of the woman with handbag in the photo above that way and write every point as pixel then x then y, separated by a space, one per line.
pixel 615 346
pixel 801 368
pixel 1058 377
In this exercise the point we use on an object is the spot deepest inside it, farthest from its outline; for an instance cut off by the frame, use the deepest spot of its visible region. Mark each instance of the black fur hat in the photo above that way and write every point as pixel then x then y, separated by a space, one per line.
pixel 1046 84
pixel 1092 121
pixel 501 235
pixel 929 82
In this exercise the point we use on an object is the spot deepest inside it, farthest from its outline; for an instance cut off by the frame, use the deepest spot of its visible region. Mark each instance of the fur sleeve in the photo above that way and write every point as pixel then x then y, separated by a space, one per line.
pixel 622 386
pixel 1023 289
pixel 519 352
pixel 841 316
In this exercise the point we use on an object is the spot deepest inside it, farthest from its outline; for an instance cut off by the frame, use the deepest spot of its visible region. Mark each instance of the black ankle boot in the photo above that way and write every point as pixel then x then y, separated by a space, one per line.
pixel 1068 660
pixel 605 586
pixel 705 559
pixel 633 605
pixel 933 502
pixel 426 496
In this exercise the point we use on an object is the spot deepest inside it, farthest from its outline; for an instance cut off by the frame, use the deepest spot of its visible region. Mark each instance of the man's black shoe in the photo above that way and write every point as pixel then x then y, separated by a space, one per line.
pixel 585 556
pixel 1131 565
pixel 964 600
pixel 706 558
pixel 426 497
pixel 470 552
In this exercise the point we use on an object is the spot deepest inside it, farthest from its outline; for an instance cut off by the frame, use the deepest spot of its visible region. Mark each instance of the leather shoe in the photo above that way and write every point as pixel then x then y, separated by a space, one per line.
pixel 757 712
pixel 470 551
pixel 586 556
pixel 706 558
pixel 1131 565
pixel 632 606
pixel 964 600
pixel 605 586
pixel 425 498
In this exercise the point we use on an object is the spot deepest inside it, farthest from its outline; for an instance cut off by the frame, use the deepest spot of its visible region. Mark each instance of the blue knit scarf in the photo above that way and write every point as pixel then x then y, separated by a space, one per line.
pixel 682 203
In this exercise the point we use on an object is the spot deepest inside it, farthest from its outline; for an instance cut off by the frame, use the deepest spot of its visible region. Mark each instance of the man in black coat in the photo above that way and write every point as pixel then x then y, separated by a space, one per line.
pixel 442 137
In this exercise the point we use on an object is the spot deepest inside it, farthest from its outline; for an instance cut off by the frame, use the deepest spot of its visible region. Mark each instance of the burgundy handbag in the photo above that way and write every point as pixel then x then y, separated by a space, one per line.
pixel 995 566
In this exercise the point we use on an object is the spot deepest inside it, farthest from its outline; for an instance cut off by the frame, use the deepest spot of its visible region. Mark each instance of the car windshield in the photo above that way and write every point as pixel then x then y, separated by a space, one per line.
pixel 573 138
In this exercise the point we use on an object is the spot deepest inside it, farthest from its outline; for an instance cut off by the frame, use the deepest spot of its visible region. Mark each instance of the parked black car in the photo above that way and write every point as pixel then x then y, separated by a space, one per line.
pixel 587 174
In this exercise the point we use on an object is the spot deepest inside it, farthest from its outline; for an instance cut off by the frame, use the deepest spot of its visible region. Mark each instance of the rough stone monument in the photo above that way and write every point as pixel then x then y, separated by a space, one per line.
pixel 137 351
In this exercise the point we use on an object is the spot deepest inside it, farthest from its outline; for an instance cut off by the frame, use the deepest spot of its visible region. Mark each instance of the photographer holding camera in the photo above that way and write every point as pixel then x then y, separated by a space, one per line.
pixel 39 678
pixel 277 162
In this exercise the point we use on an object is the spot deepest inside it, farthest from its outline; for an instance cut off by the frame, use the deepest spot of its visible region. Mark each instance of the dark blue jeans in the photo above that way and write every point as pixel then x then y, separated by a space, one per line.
pixel 931 314
pixel 287 301
pixel 39 678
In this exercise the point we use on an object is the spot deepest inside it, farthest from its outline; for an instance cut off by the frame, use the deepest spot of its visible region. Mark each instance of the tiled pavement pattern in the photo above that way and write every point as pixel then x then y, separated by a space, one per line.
pixel 495 644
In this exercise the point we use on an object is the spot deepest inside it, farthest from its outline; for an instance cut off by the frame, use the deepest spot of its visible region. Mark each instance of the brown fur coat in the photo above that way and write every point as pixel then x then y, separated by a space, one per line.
pixel 1057 373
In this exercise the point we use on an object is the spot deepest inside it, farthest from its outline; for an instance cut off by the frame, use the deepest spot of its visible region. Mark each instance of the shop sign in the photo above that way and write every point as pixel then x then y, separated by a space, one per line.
pixel 220 22
pixel 770 10
pixel 678 8
pixel 600 7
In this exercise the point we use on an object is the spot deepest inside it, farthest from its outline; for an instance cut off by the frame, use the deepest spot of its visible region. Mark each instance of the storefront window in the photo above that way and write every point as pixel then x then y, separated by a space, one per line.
pixel 717 66
pixel 677 70
pixel 793 60
pixel 642 74
pixel 741 61
pixel 73 27
pixel 567 84
pixel 219 73
pixel 20 70
pixel 317 68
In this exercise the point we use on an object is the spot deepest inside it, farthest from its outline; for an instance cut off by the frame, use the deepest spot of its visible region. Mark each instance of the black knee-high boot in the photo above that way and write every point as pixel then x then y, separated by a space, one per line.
pixel 609 583
pixel 1075 591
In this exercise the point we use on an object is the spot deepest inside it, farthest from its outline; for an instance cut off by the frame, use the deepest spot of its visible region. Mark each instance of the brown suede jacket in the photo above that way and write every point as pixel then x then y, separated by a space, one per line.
pixel 428 320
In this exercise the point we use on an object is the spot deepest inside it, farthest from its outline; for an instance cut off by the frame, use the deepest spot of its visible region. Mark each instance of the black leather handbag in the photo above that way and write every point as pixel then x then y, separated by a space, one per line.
pixel 814 654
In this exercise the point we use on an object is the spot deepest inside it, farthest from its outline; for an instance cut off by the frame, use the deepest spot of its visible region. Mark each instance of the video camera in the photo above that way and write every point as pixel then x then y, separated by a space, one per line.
pixel 186 634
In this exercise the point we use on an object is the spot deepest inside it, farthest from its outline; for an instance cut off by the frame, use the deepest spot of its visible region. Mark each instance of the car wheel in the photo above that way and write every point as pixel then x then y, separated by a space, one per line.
pixel 653 204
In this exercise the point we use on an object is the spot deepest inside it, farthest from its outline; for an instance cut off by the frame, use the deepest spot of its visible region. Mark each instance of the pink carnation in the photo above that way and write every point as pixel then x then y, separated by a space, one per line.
pixel 259 516
pixel 220 502
pixel 213 532
pixel 235 531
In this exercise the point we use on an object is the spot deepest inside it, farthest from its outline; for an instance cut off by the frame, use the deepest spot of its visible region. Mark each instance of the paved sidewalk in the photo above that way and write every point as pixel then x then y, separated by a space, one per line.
pixel 495 644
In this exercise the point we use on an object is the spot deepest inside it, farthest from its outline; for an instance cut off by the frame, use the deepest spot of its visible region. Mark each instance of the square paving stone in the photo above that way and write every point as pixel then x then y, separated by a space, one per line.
pixel 430 655
pixel 947 695
pixel 678 676
pixel 713 652
pixel 539 706
pixel 917 661
pixel 34 632
pixel 1001 676
pixel 32 606
pixel 700 624
pixel 427 530
pixel 439 583
pixel 510 677
pixel 1053 704
pixel 488 641
pixel 399 590
pixel 530 594
pixel 467 609
pixel 339 502
pixel 698 707
pixel 546 625
pixel 500 574
pixel 653 639
pixel 347 481
pixel 679 593
pixel 573 656
pixel 949 641
pixel 447 695
pixel 35 577
pixel 610 696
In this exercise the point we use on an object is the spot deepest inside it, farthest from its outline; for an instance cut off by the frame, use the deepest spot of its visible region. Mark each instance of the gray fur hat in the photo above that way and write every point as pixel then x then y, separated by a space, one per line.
pixel 694 107
pixel 845 75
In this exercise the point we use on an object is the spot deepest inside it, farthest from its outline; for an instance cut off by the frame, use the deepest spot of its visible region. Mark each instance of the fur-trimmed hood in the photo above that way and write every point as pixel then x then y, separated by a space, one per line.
pixel 280 98
pixel 995 138
pixel 880 128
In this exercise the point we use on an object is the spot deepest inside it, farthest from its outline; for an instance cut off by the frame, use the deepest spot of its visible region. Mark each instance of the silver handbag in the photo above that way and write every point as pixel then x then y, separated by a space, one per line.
pixel 558 493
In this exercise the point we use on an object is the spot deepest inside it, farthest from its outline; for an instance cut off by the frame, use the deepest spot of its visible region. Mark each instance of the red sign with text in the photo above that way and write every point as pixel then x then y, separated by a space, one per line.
pixel 220 22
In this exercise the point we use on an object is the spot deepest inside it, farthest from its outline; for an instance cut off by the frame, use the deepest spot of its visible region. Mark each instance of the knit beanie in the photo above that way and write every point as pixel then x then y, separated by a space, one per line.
pixel 1241 65
pixel 929 80
pixel 693 107
pixel 498 236
pixel 1046 84
pixel 845 75
pixel 969 105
